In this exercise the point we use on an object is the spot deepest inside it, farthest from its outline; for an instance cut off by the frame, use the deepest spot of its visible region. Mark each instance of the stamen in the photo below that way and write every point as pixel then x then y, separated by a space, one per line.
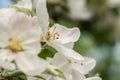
pixel 53 30
pixel 81 64
pixel 14 45
pixel 69 61
pixel 52 34
pixel 10 39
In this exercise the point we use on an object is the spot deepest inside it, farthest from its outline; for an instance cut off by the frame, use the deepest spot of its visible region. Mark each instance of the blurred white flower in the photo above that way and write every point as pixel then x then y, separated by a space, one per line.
pixel 20 42
pixel 57 33
pixel 113 3
pixel 79 10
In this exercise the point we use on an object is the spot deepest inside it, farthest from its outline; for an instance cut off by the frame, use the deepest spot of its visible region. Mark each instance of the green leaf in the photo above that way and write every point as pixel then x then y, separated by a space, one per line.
pixel 52 22
pixel 55 71
pixel 47 52
pixel 15 75
pixel 40 77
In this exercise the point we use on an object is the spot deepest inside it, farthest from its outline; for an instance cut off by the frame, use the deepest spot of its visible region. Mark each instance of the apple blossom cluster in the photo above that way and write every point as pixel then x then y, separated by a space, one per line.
pixel 23 28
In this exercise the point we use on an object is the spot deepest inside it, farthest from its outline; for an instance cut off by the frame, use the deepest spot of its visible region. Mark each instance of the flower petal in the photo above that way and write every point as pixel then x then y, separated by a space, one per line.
pixel 84 66
pixel 20 25
pixel 31 36
pixel 6 55
pixel 34 2
pixel 58 59
pixel 6 58
pixel 79 63
pixel 3 36
pixel 7 65
pixel 77 75
pixel 32 48
pixel 66 34
pixel 23 26
pixel 69 53
pixel 69 45
pixel 42 14
pixel 31 65
pixel 4 27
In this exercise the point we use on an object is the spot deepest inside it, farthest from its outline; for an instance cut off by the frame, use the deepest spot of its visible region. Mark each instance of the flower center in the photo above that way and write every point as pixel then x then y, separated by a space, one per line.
pixel 14 45
pixel 52 34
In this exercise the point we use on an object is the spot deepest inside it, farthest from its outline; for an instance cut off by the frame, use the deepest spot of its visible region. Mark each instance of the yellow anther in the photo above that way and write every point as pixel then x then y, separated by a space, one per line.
pixel 14 45
pixel 52 34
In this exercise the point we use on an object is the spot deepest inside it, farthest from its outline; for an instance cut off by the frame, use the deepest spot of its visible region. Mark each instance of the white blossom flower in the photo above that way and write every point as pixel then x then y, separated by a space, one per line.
pixel 73 69
pixel 67 63
pixel 57 33
pixel 79 10
pixel 20 42
pixel 71 63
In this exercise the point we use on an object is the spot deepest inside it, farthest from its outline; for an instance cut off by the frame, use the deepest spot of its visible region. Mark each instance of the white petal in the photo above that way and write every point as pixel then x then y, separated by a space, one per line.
pixel 31 65
pixel 93 78
pixel 57 78
pixel 42 14
pixel 84 66
pixel 49 59
pixel 66 34
pixel 34 2
pixel 31 36
pixel 19 22
pixel 58 59
pixel 69 45
pixel 6 58
pixel 20 26
pixel 3 36
pixel 24 27
pixel 32 48
pixel 69 53
pixel 4 28
pixel 6 55
pixel 77 75
pixel 7 65
pixel 89 64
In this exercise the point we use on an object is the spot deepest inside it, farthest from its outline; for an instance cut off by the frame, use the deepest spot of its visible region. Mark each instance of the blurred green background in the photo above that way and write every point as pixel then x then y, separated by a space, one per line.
pixel 99 23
